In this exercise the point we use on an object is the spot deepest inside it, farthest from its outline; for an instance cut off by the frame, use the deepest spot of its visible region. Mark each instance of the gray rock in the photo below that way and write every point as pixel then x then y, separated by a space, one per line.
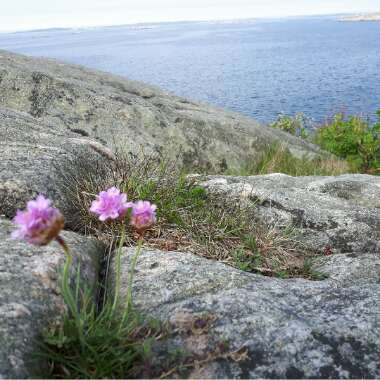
pixel 131 115
pixel 30 298
pixel 32 155
pixel 286 328
pixel 290 328
pixel 341 212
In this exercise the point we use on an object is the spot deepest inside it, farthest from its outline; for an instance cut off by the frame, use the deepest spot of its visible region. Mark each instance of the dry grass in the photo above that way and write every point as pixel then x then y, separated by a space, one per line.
pixel 189 219
pixel 335 166
pixel 278 159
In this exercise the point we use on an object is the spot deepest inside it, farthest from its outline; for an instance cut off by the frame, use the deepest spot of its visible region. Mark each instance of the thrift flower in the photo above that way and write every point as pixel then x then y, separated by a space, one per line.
pixel 110 204
pixel 39 224
pixel 143 215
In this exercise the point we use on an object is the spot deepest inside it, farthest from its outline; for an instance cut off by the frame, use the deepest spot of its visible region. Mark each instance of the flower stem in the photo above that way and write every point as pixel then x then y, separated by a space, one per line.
pixel 118 270
pixel 132 272
pixel 67 293
pixel 63 244
pixel 128 306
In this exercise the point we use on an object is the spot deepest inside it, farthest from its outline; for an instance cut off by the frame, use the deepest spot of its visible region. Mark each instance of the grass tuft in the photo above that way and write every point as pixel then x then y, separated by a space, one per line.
pixel 105 347
pixel 189 218
pixel 278 159
pixel 90 343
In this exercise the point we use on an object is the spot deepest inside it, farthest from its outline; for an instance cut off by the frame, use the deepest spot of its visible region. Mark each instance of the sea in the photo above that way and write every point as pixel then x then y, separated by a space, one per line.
pixel 317 66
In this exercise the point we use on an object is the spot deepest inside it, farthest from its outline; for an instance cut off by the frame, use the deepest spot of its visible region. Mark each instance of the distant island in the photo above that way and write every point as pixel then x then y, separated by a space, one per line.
pixel 362 17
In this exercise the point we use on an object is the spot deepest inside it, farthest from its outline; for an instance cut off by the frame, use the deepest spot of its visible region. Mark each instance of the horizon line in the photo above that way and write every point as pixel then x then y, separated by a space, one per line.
pixel 11 31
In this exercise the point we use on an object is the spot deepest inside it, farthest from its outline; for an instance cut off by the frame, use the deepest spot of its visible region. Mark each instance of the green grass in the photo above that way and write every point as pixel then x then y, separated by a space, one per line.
pixel 100 341
pixel 105 347
pixel 310 273
pixel 278 159
pixel 189 219
pixel 114 341
pixel 118 342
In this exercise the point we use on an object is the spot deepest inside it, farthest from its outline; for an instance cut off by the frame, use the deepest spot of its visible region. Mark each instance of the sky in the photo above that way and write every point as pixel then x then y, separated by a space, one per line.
pixel 41 14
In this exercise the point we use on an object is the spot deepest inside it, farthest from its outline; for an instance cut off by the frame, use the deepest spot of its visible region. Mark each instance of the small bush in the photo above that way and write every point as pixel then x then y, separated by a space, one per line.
pixel 350 138
pixel 354 139
pixel 298 125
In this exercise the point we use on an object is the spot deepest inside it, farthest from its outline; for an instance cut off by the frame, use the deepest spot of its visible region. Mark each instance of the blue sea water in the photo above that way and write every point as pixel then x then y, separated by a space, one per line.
pixel 317 66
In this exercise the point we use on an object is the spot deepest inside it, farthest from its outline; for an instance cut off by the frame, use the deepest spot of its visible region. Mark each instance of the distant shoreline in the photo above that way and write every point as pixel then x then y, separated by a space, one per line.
pixel 153 24
pixel 362 18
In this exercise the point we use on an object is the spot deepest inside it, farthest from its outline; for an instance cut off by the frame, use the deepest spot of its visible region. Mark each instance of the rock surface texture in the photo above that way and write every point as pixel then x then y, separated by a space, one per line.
pixel 32 156
pixel 29 296
pixel 286 328
pixel 290 328
pixel 117 111
pixel 342 212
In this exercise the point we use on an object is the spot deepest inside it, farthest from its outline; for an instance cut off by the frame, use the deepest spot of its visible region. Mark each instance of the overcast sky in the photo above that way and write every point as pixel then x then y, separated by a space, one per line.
pixel 35 14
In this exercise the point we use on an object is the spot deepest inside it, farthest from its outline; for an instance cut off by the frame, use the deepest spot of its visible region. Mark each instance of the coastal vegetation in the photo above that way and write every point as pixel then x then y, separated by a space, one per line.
pixel 189 219
pixel 350 144
pixel 111 339
pixel 277 158
pixel 353 139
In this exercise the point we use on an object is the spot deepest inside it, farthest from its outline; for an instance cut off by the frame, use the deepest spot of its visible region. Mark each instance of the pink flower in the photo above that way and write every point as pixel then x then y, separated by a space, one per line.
pixel 39 224
pixel 143 215
pixel 110 204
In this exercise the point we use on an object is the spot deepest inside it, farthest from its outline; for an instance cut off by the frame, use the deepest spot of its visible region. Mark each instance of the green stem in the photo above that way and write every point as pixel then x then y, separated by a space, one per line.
pixel 132 272
pixel 70 300
pixel 118 270
pixel 128 306
pixel 64 246
pixel 65 283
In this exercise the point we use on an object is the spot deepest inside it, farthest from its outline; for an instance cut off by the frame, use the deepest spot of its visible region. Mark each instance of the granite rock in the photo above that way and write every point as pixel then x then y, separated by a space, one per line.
pixel 341 213
pixel 33 155
pixel 119 112
pixel 294 328
pixel 291 328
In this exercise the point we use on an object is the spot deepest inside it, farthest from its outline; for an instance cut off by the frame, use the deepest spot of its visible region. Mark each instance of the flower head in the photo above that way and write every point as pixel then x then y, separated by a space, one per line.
pixel 39 224
pixel 143 215
pixel 110 204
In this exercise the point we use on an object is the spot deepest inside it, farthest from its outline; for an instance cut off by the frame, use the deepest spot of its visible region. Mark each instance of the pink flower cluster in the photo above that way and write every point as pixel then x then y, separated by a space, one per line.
pixel 112 204
pixel 143 215
pixel 39 224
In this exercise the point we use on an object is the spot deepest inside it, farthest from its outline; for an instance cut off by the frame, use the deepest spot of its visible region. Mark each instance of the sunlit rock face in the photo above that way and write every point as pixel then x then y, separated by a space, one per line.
pixel 131 115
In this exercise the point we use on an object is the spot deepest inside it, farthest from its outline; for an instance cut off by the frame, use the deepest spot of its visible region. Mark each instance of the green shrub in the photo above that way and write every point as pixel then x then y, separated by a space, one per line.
pixel 351 138
pixel 297 125
pixel 354 139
